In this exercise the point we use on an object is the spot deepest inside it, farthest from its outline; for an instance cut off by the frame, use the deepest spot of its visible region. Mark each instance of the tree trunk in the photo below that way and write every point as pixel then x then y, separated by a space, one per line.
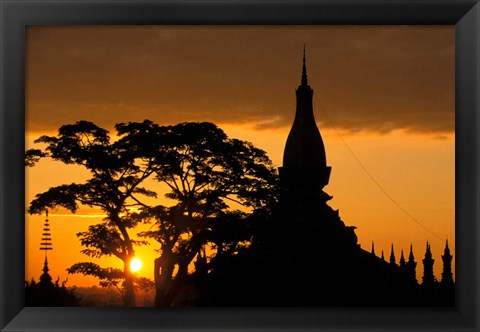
pixel 164 267
pixel 129 296
pixel 156 275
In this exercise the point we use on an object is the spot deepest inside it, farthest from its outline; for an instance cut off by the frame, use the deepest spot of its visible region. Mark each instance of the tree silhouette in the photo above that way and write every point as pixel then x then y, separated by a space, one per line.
pixel 211 177
pixel 116 175
pixel 219 186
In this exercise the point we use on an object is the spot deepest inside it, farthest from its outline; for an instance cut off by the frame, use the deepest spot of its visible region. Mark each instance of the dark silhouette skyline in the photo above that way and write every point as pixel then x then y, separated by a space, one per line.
pixel 372 82
pixel 302 252
pixel 305 254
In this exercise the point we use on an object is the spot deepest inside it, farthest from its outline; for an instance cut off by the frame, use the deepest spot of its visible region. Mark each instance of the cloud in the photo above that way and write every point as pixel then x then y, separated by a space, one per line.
pixel 365 78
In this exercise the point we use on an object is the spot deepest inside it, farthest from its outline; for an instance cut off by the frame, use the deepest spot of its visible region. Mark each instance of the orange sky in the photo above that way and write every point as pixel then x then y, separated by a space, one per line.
pixel 384 93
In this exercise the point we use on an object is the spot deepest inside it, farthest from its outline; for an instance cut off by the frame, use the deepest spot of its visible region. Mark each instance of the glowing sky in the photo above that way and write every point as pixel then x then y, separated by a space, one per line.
pixel 383 95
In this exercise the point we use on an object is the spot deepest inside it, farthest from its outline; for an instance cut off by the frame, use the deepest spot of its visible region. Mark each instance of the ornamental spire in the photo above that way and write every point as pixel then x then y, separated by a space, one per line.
pixel 410 257
pixel 304 69
pixel 447 276
pixel 428 277
pixel 46 245
pixel 304 161
pixel 402 259
pixel 392 257
pixel 411 265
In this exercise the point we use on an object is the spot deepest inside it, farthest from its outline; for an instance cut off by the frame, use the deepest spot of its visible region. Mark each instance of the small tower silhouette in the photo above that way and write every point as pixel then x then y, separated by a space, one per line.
pixel 447 276
pixel 402 261
pixel 46 245
pixel 392 258
pixel 383 256
pixel 402 269
pixel 410 267
pixel 46 293
pixel 428 279
pixel 373 248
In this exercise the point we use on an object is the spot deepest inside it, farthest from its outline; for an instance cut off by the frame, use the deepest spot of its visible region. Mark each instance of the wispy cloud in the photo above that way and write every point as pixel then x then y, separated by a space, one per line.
pixel 367 78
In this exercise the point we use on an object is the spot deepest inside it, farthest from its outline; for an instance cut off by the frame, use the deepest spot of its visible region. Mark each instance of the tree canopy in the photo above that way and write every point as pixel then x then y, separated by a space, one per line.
pixel 217 185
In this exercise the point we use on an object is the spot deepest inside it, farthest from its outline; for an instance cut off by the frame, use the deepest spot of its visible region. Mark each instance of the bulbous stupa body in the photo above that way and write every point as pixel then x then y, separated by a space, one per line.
pixel 305 167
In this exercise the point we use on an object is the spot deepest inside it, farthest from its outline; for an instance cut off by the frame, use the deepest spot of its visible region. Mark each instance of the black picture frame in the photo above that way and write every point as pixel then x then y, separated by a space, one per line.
pixel 16 14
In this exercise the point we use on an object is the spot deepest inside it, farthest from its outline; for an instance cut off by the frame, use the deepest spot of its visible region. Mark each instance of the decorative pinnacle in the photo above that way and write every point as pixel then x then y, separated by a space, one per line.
pixel 46 243
pixel 392 256
pixel 428 253
pixel 45 265
pixel 402 259
pixel 304 69
pixel 447 249
pixel 410 257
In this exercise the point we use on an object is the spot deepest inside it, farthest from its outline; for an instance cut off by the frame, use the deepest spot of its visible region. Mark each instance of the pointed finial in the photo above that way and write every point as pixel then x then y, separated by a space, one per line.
pixel 304 69
pixel 447 249
pixel 392 256
pixel 410 257
pixel 402 259
pixel 45 278
pixel 428 253
pixel 373 248
pixel 45 265
pixel 383 256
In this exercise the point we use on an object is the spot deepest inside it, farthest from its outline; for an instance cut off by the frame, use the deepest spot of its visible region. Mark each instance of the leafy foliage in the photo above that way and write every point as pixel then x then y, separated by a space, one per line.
pixel 103 239
pixel 108 276
pixel 218 185
pixel 117 171
pixel 211 177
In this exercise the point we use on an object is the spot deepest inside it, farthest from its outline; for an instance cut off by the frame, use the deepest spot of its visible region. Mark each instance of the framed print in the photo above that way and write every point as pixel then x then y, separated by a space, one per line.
pixel 252 165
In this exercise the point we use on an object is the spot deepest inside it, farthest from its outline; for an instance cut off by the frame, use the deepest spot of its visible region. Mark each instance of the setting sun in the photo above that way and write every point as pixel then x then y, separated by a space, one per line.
pixel 135 265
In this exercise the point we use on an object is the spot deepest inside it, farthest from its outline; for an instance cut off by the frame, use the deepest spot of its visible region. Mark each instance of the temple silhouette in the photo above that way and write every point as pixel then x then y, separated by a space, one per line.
pixel 305 255
pixel 46 293
pixel 302 253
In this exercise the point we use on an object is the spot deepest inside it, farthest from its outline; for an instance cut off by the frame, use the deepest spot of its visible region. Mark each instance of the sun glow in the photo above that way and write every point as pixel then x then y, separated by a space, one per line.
pixel 135 265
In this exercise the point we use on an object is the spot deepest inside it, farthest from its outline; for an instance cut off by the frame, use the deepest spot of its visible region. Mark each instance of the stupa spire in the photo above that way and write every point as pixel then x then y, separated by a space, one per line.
pixel 402 259
pixel 447 276
pixel 305 169
pixel 392 257
pixel 46 245
pixel 428 277
pixel 411 258
pixel 410 268
pixel 304 80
